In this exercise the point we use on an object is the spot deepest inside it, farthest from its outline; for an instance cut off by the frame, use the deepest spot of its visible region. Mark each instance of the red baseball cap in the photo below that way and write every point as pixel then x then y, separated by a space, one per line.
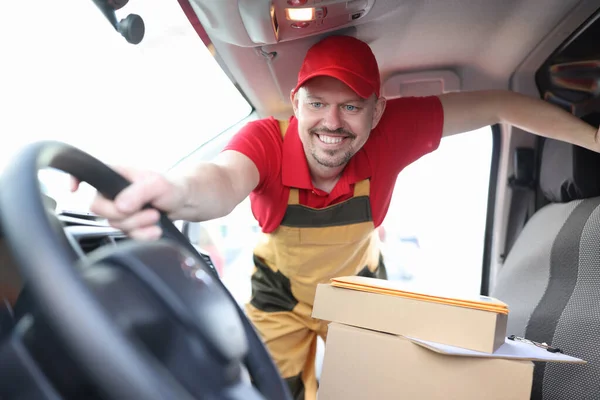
pixel 345 58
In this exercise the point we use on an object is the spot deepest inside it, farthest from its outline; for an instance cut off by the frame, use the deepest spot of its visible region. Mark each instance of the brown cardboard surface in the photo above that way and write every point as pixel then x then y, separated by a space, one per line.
pixel 364 364
pixel 456 326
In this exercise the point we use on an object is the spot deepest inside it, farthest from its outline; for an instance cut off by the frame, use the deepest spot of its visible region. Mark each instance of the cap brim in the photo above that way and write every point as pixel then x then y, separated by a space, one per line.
pixel 353 81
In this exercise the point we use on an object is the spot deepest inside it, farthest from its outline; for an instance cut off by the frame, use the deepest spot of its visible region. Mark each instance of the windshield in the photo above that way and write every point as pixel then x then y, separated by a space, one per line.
pixel 67 75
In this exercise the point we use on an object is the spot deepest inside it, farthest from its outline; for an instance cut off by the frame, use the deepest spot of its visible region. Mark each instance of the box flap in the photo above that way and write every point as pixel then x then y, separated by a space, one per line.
pixel 512 350
pixel 392 288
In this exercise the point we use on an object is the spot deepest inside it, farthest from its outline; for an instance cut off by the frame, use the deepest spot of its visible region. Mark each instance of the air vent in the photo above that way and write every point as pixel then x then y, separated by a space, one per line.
pixel 91 243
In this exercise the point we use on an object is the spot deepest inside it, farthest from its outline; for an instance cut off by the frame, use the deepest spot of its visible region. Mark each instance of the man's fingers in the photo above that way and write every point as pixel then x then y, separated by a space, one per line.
pixel 126 212
pixel 105 207
pixel 142 192
pixel 74 184
pixel 128 173
pixel 140 220
pixel 149 233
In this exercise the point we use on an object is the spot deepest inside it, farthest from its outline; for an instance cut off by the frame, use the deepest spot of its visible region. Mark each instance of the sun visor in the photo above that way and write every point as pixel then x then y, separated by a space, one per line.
pixel 425 83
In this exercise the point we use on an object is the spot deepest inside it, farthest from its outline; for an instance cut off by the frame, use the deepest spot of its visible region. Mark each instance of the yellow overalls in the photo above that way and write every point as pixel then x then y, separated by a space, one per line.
pixel 310 246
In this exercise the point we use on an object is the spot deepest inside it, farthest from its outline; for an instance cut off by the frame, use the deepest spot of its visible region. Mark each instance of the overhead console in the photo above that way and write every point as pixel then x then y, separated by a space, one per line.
pixel 253 23
pixel 299 18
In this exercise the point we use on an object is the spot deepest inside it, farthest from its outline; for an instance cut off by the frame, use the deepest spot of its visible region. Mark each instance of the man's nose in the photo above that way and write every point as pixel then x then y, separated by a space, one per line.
pixel 333 119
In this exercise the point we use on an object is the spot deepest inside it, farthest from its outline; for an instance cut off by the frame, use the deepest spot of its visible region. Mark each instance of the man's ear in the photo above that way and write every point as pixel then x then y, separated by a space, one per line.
pixel 294 100
pixel 379 109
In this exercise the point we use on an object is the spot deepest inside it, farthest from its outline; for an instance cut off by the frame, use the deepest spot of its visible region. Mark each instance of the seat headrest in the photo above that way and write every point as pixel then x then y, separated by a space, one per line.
pixel 569 172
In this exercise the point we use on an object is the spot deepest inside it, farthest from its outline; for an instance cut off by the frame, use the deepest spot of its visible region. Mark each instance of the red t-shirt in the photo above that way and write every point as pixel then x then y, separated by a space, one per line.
pixel 408 129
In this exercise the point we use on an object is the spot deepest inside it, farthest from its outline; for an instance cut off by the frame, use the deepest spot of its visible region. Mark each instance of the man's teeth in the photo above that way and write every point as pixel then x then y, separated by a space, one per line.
pixel 330 139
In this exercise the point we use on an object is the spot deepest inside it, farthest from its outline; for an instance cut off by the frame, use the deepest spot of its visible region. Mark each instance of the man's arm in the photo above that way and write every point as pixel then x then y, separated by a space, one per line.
pixel 213 189
pixel 203 192
pixel 467 111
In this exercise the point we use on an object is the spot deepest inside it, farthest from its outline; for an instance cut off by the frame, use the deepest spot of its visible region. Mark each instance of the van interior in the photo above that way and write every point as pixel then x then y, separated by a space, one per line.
pixel 88 313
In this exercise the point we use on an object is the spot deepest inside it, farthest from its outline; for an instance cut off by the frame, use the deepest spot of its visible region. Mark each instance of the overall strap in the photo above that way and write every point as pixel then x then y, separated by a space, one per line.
pixel 283 126
pixel 362 188
pixel 294 197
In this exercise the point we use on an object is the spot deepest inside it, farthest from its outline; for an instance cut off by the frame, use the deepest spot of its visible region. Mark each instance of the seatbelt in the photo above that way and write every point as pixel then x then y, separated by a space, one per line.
pixel 522 206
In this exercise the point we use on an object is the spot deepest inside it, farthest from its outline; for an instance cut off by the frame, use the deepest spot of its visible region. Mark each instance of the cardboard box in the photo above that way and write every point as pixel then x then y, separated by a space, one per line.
pixel 385 346
pixel 442 323
pixel 365 364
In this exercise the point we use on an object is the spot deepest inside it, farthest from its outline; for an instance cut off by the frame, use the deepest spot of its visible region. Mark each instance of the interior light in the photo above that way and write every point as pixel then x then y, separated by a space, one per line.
pixel 300 14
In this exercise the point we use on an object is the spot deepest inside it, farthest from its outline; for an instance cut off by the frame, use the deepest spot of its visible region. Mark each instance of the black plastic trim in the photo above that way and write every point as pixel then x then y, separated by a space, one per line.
pixel 491 209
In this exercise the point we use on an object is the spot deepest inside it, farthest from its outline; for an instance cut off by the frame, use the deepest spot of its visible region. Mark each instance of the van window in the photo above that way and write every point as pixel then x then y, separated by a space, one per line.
pixel 75 79
pixel 435 228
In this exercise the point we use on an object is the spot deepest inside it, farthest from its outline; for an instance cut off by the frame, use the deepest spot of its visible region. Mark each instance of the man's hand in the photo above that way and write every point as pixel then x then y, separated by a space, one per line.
pixel 207 191
pixel 126 213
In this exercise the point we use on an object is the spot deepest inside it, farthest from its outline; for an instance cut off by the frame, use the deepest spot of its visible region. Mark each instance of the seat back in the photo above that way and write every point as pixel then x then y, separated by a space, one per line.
pixel 551 277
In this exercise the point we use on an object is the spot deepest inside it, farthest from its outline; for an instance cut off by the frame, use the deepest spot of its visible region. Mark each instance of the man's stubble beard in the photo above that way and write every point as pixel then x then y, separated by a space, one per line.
pixel 332 163
pixel 329 163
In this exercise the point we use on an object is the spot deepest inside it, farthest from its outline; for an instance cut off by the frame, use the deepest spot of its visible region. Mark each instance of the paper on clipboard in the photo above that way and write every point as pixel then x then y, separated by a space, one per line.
pixel 512 350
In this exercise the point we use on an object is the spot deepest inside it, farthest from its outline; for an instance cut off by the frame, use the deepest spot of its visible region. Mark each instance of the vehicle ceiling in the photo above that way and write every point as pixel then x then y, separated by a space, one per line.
pixel 484 43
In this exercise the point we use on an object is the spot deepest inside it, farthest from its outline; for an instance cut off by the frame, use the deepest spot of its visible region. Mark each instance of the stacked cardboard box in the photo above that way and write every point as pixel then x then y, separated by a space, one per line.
pixel 387 343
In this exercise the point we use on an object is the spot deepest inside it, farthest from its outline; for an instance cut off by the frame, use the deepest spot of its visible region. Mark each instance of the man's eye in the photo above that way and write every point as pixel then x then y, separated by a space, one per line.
pixel 349 107
pixel 316 104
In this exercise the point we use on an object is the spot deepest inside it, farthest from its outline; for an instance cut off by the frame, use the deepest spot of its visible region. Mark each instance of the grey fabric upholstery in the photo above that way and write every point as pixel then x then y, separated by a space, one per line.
pixel 578 328
pixel 551 282
pixel 526 271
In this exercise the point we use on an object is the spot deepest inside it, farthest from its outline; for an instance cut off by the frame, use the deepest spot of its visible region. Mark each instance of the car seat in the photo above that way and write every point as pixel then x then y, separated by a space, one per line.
pixel 551 277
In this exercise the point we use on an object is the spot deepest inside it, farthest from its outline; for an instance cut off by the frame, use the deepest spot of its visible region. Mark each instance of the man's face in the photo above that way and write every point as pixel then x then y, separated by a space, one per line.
pixel 333 121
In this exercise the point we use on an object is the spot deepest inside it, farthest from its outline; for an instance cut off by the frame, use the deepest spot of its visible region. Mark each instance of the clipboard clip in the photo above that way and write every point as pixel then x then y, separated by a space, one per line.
pixel 541 345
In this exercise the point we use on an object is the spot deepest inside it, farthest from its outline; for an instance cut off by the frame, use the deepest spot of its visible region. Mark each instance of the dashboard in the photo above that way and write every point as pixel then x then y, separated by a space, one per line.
pixel 85 233
pixel 10 279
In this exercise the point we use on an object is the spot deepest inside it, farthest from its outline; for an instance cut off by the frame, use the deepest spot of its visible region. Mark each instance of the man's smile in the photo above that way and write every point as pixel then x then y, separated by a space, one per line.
pixel 331 140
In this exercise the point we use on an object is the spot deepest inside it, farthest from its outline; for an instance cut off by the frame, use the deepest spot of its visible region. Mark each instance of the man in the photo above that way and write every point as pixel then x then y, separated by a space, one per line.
pixel 321 183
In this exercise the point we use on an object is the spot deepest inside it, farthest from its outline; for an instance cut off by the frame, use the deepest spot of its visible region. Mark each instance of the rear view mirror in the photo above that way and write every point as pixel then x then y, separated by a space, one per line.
pixel 132 27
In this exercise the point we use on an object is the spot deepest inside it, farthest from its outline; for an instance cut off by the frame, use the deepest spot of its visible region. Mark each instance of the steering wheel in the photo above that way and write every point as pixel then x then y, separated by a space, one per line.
pixel 143 320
